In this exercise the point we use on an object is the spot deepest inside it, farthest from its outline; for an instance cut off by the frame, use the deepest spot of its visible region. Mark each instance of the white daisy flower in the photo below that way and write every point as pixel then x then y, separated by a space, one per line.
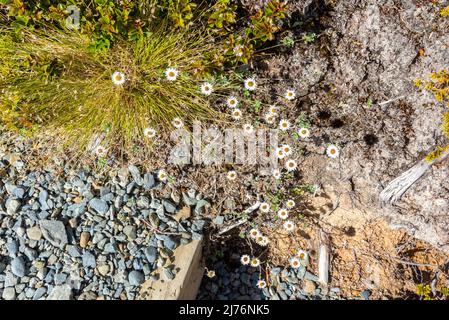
pixel 302 255
pixel 245 259
pixel 273 110
pixel 264 207
pixel 304 133
pixel 261 284
pixel 290 94
pixel 231 175
pixel 236 114
pixel 290 204
pixel 177 123
pixel 162 175
pixel 287 149
pixel 149 133
pixel 295 263
pixel 270 118
pixel 283 214
pixel 207 89
pixel 284 125
pixel 248 128
pixel 254 233
pixel 250 84
pixel 291 165
pixel 255 262
pixel 289 226
pixel 118 78
pixel 332 151
pixel 101 151
pixel 277 174
pixel 232 102
pixel 262 241
pixel 280 154
pixel 171 74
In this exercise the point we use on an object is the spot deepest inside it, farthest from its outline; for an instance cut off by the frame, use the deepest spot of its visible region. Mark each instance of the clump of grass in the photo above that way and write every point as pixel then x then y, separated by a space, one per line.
pixel 52 81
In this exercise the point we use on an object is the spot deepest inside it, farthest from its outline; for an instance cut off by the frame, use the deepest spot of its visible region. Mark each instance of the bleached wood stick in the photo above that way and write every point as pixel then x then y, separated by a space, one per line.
pixel 324 259
pixel 397 187
pixel 242 220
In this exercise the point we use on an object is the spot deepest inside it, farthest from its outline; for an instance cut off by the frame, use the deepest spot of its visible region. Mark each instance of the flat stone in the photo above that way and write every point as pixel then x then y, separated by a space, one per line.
pixel 18 266
pixel 54 232
pixel 9 293
pixel 89 260
pixel 130 232
pixel 148 181
pixel 62 292
pixel 150 253
pixel 84 239
pixel 103 269
pixel 136 278
pixel 309 287
pixel 99 205
pixel 34 233
pixel 12 205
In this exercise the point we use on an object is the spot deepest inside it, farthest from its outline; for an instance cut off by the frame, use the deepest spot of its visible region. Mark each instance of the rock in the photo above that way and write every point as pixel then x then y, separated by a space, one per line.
pixel 12 247
pixel 34 233
pixel 39 293
pixel 99 205
pixel 18 267
pixel 135 173
pixel 365 294
pixel 168 273
pixel 12 205
pixel 54 232
pixel 84 239
pixel 169 206
pixel 9 293
pixel 309 287
pixel 103 270
pixel 130 232
pixel 183 214
pixel 136 278
pixel 148 181
pixel 89 260
pixel 43 196
pixel 150 253
pixel 62 292
pixel 219 220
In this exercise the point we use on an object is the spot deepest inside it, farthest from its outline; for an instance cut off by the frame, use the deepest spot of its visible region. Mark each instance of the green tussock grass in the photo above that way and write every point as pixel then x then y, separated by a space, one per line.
pixel 51 82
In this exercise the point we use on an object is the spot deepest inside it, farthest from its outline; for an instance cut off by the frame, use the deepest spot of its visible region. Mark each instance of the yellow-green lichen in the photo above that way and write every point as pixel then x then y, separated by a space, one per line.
pixel 435 154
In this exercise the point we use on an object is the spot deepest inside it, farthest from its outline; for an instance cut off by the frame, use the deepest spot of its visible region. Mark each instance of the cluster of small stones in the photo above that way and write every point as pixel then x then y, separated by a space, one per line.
pixel 284 284
pixel 63 237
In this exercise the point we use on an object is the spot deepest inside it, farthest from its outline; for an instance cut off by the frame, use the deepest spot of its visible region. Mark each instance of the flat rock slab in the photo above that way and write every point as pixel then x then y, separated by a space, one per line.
pixel 188 277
